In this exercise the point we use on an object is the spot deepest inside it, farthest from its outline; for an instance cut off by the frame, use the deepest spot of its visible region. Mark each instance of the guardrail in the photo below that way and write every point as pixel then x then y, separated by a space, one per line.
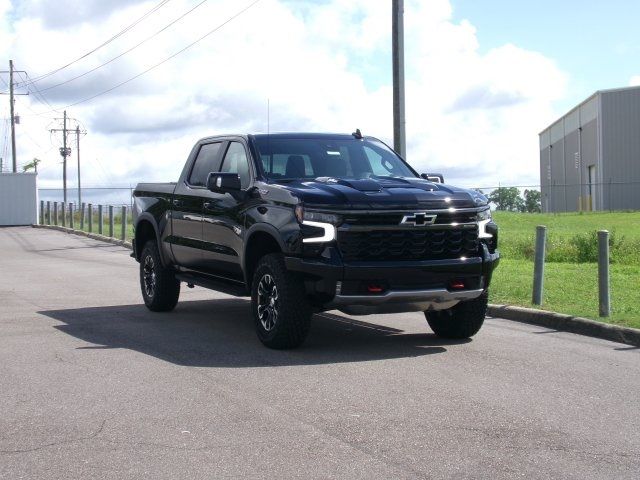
pixel 87 217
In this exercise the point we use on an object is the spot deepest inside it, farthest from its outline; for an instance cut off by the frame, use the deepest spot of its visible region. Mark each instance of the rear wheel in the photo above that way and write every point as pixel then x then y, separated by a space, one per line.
pixel 160 288
pixel 281 312
pixel 463 320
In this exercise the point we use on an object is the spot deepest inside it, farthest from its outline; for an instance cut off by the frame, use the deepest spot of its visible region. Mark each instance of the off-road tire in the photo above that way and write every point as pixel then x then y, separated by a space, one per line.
pixel 463 320
pixel 160 288
pixel 290 325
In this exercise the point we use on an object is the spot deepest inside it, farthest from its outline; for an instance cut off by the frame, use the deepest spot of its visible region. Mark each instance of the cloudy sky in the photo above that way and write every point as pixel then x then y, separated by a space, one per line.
pixel 483 78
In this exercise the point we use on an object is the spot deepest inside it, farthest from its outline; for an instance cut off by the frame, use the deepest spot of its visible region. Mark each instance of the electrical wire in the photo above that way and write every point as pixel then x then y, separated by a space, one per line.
pixel 126 51
pixel 37 94
pixel 230 19
pixel 5 142
pixel 95 49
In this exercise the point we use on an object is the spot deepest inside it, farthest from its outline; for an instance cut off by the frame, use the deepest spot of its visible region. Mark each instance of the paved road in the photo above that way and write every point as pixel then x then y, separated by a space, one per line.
pixel 92 385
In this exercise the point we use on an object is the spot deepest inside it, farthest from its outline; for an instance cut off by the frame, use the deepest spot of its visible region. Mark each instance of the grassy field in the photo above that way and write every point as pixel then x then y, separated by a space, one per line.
pixel 117 224
pixel 571 274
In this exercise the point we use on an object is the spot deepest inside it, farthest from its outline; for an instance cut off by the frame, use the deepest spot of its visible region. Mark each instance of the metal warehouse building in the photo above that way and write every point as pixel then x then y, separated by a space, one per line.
pixel 590 158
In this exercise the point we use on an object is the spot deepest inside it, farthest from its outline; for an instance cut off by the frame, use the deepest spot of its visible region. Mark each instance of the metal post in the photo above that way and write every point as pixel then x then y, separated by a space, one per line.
pixel 538 266
pixel 13 118
pixel 397 48
pixel 100 220
pixel 124 222
pixel 64 156
pixel 82 211
pixel 111 221
pixel 71 220
pixel 41 212
pixel 604 294
pixel 55 213
pixel 78 153
pixel 63 210
pixel 90 218
pixel 48 212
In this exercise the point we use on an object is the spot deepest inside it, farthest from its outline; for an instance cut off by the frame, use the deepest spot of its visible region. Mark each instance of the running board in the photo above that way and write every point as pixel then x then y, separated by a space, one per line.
pixel 214 283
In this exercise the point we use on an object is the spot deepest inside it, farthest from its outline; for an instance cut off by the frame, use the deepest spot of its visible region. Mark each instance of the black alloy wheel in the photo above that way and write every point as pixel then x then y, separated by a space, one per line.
pixel 281 312
pixel 160 288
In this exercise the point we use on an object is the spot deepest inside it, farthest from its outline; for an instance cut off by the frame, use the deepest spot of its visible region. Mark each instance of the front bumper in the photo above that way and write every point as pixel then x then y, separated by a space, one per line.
pixel 402 286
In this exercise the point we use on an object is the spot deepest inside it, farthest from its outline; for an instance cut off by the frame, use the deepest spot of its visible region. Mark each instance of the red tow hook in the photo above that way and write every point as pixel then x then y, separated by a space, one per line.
pixel 457 285
pixel 374 289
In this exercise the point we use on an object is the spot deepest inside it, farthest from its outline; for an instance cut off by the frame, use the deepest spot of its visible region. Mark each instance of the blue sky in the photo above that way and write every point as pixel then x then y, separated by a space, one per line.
pixel 597 43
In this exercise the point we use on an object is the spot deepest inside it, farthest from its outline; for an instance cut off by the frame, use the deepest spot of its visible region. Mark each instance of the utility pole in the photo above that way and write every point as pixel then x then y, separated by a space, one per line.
pixel 397 46
pixel 12 113
pixel 78 154
pixel 64 153
pixel 13 118
pixel 79 132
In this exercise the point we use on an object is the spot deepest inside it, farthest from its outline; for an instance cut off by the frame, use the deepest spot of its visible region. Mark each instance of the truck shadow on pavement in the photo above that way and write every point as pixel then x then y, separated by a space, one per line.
pixel 220 333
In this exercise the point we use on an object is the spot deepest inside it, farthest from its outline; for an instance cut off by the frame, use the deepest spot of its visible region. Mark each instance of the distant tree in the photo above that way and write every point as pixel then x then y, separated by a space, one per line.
pixel 507 198
pixel 532 201
pixel 32 164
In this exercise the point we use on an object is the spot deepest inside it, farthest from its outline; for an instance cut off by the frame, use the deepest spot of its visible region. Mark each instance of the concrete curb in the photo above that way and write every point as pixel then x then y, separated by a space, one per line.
pixel 555 321
pixel 567 323
pixel 94 236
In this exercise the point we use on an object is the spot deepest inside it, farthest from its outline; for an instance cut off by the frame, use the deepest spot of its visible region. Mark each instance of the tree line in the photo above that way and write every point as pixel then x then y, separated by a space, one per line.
pixel 510 200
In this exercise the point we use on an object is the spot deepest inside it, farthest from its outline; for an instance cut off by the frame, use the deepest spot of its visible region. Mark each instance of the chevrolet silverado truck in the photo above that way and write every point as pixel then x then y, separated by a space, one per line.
pixel 310 222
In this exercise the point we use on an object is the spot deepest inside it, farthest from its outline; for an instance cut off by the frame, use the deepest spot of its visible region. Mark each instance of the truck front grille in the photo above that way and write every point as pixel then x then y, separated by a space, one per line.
pixel 414 244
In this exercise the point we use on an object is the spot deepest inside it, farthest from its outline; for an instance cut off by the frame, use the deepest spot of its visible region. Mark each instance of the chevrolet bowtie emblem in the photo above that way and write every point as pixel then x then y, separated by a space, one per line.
pixel 418 219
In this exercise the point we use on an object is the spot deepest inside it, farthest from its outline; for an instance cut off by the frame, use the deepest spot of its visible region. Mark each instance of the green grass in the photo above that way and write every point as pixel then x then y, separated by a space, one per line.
pixel 571 237
pixel 117 224
pixel 571 283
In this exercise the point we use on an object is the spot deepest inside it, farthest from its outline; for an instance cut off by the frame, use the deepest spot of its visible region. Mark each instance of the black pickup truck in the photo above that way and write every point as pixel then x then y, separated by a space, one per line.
pixel 309 222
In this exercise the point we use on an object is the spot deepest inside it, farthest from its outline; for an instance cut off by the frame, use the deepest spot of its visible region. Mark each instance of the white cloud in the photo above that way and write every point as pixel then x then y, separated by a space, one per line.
pixel 323 67
pixel 634 81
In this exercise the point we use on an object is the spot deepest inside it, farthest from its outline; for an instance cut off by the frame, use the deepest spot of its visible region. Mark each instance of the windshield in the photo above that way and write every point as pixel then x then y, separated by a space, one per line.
pixel 300 158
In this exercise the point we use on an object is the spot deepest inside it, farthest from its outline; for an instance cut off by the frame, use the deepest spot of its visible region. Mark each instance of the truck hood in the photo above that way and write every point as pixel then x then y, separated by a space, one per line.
pixel 381 193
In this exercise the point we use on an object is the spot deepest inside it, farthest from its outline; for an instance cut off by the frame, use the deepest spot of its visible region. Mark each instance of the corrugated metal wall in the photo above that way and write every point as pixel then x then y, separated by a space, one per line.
pixel 589 192
pixel 621 149
pixel 18 199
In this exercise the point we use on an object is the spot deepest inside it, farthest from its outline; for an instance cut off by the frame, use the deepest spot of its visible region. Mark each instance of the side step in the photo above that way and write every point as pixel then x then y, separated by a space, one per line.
pixel 229 287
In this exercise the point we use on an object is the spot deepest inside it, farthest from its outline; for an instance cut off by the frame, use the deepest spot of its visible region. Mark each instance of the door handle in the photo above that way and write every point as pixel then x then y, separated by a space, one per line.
pixel 208 205
pixel 177 203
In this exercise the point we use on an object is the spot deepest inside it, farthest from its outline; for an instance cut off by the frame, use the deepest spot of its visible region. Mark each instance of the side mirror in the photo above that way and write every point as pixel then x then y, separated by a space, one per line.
pixel 433 177
pixel 223 182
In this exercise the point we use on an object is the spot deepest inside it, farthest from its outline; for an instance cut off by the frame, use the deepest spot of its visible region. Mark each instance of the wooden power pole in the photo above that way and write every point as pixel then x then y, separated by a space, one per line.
pixel 11 71
pixel 64 153
pixel 397 45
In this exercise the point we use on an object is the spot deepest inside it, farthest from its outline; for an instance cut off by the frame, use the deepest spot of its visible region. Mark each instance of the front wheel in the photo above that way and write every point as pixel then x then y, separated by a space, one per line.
pixel 280 310
pixel 160 288
pixel 463 320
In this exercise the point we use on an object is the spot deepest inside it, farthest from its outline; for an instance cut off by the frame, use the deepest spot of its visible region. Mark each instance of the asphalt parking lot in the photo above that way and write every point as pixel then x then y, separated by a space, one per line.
pixel 94 385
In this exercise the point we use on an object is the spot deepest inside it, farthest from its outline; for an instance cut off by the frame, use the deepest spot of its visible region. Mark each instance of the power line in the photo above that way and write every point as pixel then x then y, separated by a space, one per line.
pixel 5 144
pixel 230 19
pixel 37 94
pixel 95 49
pixel 126 51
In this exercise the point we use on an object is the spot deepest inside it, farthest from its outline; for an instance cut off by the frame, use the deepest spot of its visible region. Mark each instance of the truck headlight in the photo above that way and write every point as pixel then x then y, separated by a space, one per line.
pixel 484 217
pixel 322 225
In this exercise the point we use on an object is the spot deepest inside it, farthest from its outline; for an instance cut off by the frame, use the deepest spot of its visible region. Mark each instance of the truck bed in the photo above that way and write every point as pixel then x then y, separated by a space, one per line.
pixel 161 187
